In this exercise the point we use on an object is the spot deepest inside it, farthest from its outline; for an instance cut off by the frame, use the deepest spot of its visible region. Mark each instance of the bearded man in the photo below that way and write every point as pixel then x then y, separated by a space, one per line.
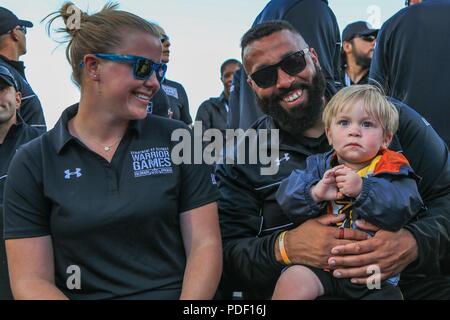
pixel 285 74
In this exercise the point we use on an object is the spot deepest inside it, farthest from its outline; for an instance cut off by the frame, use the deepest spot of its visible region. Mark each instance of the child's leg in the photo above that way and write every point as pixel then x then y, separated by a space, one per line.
pixel 298 283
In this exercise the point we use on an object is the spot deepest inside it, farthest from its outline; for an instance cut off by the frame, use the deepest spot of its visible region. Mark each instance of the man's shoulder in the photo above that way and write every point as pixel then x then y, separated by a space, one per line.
pixel 173 84
pixel 30 132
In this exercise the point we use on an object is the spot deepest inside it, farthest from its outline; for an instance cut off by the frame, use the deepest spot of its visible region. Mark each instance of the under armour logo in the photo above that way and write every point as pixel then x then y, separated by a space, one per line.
pixel 285 158
pixel 69 174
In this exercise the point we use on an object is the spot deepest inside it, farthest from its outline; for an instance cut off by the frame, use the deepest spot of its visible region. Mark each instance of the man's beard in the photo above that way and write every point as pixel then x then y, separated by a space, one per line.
pixel 361 60
pixel 302 117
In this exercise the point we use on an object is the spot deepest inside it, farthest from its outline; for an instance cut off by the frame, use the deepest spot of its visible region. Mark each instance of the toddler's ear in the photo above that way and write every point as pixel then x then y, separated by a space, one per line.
pixel 386 141
pixel 329 137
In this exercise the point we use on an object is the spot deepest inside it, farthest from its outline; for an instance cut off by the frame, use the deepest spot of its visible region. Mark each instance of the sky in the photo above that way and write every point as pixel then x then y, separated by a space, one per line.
pixel 203 33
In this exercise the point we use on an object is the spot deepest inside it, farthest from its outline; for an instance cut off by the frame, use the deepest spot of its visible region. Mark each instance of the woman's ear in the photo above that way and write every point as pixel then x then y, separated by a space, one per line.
pixel 92 67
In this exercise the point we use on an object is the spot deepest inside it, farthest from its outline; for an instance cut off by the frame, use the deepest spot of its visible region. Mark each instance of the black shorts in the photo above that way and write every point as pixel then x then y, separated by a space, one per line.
pixel 343 288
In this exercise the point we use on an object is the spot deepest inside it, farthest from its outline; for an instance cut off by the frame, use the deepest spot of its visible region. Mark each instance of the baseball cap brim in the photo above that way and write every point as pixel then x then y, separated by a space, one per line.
pixel 25 23
pixel 5 83
pixel 370 32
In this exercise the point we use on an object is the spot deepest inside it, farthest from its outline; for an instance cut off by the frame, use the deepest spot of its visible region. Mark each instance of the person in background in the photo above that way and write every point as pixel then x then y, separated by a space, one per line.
pixel 411 61
pixel 358 42
pixel 178 99
pixel 96 208
pixel 13 133
pixel 13 45
pixel 213 112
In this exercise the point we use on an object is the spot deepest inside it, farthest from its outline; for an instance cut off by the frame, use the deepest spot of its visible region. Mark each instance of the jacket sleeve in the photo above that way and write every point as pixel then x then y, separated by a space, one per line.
pixel 204 116
pixel 429 158
pixel 294 195
pixel 378 74
pixel 233 102
pixel 249 258
pixel 185 113
pixel 388 201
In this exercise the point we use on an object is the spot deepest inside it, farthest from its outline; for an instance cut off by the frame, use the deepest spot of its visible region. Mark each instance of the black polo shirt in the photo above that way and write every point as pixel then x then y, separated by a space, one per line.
pixel 118 222
pixel 178 101
pixel 17 135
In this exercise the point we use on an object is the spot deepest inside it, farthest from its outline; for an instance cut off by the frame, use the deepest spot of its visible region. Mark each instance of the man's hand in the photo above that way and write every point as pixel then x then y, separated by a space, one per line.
pixel 390 251
pixel 311 242
pixel 326 189
pixel 348 181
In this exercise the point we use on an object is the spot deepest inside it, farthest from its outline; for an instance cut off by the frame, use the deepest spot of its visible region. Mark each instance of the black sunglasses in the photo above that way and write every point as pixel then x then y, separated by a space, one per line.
pixel 21 28
pixel 292 65
pixel 368 38
pixel 164 38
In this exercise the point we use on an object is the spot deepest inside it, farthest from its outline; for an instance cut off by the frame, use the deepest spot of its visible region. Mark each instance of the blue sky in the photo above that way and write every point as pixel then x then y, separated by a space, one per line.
pixel 203 33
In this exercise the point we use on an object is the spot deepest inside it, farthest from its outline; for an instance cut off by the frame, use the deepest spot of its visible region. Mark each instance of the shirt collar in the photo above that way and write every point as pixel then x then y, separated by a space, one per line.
pixel 18 65
pixel 62 136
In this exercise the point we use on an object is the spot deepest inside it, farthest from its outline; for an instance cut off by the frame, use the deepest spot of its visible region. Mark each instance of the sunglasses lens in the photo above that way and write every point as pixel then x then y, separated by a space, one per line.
pixel 294 63
pixel 143 69
pixel 164 38
pixel 368 38
pixel 266 77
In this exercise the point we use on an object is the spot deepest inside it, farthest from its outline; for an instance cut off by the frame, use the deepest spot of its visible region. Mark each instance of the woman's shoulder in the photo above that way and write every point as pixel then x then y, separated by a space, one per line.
pixel 165 124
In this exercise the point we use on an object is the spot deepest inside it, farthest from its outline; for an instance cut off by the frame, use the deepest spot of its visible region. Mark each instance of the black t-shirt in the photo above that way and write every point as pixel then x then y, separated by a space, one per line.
pixel 411 61
pixel 178 101
pixel 17 135
pixel 118 222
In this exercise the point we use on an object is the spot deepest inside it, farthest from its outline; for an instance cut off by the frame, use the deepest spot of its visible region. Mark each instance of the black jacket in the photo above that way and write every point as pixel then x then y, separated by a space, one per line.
pixel 213 114
pixel 389 197
pixel 318 25
pixel 178 101
pixel 411 61
pixel 251 219
pixel 30 109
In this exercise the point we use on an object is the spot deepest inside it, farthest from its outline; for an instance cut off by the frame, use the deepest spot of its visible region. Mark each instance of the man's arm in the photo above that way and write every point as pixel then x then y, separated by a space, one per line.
pixel 204 116
pixel 378 74
pixel 185 112
pixel 249 259
pixel 254 260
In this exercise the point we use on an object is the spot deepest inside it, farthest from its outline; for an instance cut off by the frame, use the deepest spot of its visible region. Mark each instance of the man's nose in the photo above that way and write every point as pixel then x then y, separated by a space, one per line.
pixel 284 80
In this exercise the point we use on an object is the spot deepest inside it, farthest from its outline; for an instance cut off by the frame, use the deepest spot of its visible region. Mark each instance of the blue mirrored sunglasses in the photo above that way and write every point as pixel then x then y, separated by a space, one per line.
pixel 143 68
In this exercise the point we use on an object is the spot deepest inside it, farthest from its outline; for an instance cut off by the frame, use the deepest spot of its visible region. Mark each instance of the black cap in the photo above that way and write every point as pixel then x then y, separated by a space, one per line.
pixel 9 21
pixel 358 28
pixel 7 79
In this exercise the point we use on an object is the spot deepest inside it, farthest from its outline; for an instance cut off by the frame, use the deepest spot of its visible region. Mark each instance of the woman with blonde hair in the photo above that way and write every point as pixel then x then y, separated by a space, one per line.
pixel 97 208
